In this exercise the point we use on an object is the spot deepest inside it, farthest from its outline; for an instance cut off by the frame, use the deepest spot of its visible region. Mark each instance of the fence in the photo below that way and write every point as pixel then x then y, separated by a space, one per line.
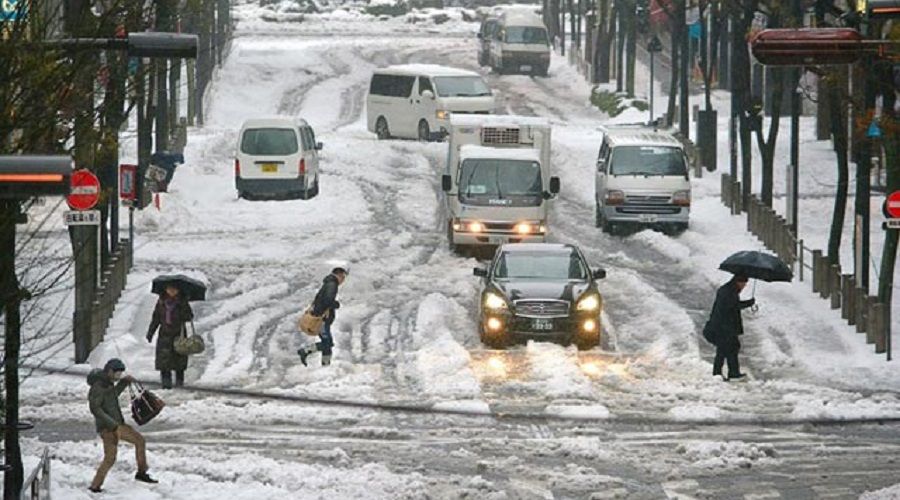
pixel 37 484
pixel 857 307
pixel 105 297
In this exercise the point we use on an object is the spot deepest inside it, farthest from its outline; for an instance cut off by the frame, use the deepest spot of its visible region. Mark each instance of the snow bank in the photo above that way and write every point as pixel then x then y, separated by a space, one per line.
pixel 889 493
pixel 727 454
pixel 588 412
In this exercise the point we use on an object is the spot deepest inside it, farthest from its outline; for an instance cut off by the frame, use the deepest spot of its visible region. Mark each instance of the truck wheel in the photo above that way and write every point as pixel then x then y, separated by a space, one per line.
pixel 482 59
pixel 381 129
pixel 424 132
pixel 598 217
pixel 453 247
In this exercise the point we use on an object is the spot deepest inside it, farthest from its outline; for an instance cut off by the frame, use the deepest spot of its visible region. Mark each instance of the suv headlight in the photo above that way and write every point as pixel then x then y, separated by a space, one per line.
pixel 494 301
pixel 681 198
pixel 442 114
pixel 588 303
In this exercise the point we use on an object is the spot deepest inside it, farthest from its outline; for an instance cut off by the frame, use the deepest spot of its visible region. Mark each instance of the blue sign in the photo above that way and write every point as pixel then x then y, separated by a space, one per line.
pixel 11 10
pixel 133 65
pixel 695 30
pixel 874 131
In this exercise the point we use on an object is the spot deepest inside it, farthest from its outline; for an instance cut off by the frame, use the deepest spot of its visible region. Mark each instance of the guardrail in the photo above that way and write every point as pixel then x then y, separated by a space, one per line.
pixel 37 484
pixel 106 296
pixel 857 307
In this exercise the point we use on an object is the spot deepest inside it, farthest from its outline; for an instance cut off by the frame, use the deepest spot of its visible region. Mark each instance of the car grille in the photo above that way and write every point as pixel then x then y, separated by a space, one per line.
pixel 496 135
pixel 542 308
pixel 648 204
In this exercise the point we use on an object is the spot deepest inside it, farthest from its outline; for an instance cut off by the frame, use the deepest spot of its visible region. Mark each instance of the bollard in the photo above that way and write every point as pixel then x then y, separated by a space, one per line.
pixel 825 282
pixel 724 190
pixel 835 286
pixel 851 300
pixel 880 328
pixel 871 331
pixel 737 198
pixel 800 258
pixel 846 289
pixel 816 276
pixel 860 296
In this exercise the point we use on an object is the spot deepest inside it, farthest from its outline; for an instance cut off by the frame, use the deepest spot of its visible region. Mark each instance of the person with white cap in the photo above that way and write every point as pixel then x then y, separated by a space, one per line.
pixel 325 304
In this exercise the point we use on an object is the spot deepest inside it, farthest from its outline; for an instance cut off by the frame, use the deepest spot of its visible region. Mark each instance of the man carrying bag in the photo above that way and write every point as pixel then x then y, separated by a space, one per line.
pixel 106 386
pixel 323 310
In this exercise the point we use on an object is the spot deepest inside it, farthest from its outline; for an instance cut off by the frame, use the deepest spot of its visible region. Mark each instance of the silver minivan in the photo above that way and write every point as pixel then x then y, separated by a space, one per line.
pixel 276 158
pixel 642 180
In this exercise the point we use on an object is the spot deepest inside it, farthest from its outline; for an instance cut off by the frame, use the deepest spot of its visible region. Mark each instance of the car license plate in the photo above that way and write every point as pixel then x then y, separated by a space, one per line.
pixel 542 324
pixel 525 68
pixel 269 168
pixel 647 218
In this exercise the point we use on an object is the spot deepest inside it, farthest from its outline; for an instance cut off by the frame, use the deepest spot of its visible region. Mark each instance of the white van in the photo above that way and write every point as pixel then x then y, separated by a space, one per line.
pixel 415 101
pixel 520 44
pixel 642 179
pixel 276 157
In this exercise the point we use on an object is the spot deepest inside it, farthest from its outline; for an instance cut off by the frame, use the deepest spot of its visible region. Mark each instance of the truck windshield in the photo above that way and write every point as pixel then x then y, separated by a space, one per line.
pixel 269 141
pixel 554 266
pixel 525 34
pixel 461 86
pixel 495 178
pixel 647 160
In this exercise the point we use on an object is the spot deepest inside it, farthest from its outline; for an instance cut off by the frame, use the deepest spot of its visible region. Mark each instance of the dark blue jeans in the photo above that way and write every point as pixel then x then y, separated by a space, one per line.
pixel 325 341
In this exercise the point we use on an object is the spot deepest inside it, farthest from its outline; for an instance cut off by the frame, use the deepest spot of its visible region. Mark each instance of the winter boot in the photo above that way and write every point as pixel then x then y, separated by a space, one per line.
pixel 737 377
pixel 95 490
pixel 326 360
pixel 304 352
pixel 145 478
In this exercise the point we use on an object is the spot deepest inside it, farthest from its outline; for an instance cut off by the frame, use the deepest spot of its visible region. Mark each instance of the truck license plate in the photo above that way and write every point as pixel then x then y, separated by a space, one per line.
pixel 525 67
pixel 542 324
pixel 497 240
pixel 269 168
pixel 647 218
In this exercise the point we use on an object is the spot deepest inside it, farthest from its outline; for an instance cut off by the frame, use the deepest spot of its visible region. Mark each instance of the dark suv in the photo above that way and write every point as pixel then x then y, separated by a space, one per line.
pixel 541 291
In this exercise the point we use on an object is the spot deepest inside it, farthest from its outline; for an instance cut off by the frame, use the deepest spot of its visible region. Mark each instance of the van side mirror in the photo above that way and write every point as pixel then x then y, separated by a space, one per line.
pixel 319 146
pixel 428 94
pixel 479 35
pixel 480 272
pixel 446 183
pixel 599 273
pixel 554 185
pixel 601 165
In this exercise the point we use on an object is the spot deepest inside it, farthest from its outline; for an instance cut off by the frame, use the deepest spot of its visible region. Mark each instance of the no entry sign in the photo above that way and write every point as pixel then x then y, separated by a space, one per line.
pixel 85 190
pixel 892 205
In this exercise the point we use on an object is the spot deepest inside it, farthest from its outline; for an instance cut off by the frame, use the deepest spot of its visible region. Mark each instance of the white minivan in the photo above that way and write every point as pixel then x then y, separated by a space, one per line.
pixel 276 158
pixel 520 44
pixel 415 101
pixel 642 180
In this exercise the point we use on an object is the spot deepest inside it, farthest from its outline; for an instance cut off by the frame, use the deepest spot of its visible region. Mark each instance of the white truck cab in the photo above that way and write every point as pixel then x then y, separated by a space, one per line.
pixel 642 179
pixel 498 184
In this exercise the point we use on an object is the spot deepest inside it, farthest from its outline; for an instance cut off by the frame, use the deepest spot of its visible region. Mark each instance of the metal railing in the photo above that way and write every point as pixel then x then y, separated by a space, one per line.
pixel 37 484
pixel 107 295
pixel 857 307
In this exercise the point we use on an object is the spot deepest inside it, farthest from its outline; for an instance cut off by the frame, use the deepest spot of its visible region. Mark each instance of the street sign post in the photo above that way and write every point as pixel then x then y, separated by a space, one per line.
pixel 82 217
pixel 85 192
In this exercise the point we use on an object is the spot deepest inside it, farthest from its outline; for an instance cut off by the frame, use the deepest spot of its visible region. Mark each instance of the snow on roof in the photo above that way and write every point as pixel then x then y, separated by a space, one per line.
pixel 485 153
pixel 426 69
pixel 537 247
pixel 632 136
pixel 521 17
pixel 498 121
pixel 273 121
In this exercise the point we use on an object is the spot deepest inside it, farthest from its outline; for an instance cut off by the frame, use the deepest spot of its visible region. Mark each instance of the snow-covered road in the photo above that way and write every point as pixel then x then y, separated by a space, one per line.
pixel 406 332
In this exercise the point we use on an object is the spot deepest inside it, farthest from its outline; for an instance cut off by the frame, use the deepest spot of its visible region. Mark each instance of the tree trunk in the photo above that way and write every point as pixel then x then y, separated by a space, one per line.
pixel 835 97
pixel 601 52
pixel 631 49
pixel 767 146
pixel 673 82
pixel 620 51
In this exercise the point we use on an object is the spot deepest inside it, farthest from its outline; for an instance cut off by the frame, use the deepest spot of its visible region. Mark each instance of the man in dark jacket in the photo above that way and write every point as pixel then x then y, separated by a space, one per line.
pixel 106 385
pixel 725 325
pixel 325 304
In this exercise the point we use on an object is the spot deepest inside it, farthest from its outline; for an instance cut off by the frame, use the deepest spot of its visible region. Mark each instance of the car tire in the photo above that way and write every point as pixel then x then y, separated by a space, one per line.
pixel 424 131
pixel 584 344
pixel 315 189
pixel 598 217
pixel 453 247
pixel 381 129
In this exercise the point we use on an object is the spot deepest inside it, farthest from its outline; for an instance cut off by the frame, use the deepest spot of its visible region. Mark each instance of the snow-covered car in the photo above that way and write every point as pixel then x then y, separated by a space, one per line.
pixel 540 291
pixel 277 157
pixel 415 101
pixel 641 180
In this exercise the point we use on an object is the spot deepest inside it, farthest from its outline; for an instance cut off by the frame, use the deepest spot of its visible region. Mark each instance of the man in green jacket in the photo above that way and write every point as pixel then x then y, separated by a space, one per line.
pixel 106 385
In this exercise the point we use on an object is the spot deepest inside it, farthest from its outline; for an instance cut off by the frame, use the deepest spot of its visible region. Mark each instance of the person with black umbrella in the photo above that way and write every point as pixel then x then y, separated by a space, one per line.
pixel 725 325
pixel 171 313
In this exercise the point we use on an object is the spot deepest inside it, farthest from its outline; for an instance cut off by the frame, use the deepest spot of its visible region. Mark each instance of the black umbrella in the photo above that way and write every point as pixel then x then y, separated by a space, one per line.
pixel 190 288
pixel 757 265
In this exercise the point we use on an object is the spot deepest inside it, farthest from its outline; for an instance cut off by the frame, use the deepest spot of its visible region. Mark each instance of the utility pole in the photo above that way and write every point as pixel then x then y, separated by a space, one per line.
pixel 794 195
pixel 11 296
pixel 683 112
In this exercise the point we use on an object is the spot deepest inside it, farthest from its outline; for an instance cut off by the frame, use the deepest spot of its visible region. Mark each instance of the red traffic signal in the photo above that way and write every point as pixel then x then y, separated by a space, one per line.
pixel 806 46
pixel 23 177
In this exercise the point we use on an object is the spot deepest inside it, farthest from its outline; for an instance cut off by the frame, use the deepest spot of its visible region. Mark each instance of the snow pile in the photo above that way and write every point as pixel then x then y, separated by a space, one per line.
pixel 827 404
pixel 889 493
pixel 727 454
pixel 556 370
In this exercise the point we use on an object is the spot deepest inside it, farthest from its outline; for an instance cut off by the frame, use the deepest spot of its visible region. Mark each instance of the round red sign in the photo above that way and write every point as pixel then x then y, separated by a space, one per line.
pixel 893 204
pixel 85 190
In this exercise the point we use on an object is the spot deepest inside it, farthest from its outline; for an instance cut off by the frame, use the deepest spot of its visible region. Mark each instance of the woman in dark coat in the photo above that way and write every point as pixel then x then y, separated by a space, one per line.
pixel 170 315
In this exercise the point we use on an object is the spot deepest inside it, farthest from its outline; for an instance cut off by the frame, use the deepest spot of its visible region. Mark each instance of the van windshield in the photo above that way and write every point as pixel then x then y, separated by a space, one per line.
pixel 499 179
pixel 647 160
pixel 525 34
pixel 461 86
pixel 269 141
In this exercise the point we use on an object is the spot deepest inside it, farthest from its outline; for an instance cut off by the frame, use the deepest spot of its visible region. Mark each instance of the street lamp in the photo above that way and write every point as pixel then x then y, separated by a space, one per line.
pixel 21 177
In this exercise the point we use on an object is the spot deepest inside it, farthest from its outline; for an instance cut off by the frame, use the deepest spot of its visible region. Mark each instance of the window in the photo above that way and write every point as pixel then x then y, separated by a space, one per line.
pixel 647 160
pixel 306 137
pixel 500 178
pixel 525 34
pixel 391 85
pixel 425 84
pixel 461 86
pixel 553 266
pixel 269 141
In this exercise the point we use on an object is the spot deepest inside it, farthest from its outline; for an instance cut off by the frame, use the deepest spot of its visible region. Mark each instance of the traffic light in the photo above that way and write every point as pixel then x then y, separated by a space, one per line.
pixel 23 177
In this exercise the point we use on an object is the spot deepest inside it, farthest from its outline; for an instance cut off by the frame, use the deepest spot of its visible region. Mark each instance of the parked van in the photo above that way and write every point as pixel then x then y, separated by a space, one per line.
pixel 520 44
pixel 485 35
pixel 642 179
pixel 416 101
pixel 498 183
pixel 277 157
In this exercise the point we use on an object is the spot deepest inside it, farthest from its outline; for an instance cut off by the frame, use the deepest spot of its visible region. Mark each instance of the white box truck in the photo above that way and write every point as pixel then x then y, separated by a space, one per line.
pixel 497 183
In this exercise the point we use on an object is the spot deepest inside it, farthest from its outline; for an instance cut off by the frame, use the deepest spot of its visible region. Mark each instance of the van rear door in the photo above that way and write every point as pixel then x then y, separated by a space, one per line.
pixel 270 153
